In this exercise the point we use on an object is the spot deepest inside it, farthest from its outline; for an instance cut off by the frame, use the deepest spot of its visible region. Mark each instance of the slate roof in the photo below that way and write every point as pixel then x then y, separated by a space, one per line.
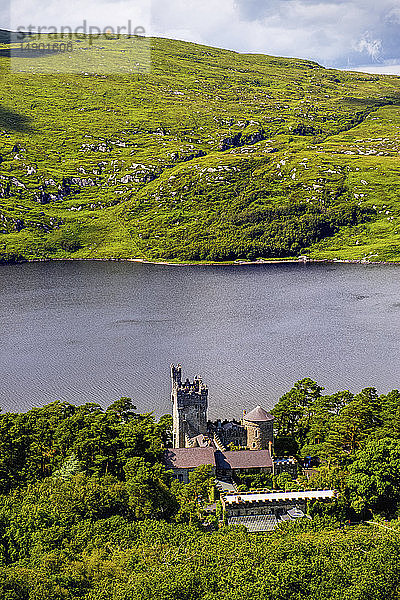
pixel 255 523
pixel 243 459
pixel 268 522
pixel 186 458
pixel 258 414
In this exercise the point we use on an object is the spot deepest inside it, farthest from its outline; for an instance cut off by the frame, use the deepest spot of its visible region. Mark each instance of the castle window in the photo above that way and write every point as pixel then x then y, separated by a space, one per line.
pixel 256 433
pixel 254 444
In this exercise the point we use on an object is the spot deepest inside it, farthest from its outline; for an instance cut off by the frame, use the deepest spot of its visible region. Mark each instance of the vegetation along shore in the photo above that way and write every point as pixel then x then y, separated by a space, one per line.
pixel 89 511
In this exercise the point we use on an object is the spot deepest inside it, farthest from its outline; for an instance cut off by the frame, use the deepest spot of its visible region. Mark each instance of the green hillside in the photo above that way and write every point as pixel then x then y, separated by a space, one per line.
pixel 212 155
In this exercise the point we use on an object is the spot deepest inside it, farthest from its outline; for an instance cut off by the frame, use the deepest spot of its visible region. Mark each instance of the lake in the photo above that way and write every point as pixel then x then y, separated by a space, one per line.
pixel 96 331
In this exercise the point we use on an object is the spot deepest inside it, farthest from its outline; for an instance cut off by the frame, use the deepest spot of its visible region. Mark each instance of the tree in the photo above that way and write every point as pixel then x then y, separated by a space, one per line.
pixel 374 477
pixel 329 477
pixel 294 410
pixel 390 415
pixel 285 481
pixel 123 408
pixel 194 495
pixel 322 412
pixel 355 422
pixel 68 469
pixel 165 427
pixel 149 491
pixel 336 402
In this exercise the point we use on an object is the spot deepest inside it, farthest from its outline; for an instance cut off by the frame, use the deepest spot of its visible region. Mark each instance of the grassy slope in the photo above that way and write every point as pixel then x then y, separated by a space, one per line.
pixel 213 155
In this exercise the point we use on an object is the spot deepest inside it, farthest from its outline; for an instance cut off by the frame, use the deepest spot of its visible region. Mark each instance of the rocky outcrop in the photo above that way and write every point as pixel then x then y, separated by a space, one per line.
pixel 178 157
pixel 233 141
pixel 250 135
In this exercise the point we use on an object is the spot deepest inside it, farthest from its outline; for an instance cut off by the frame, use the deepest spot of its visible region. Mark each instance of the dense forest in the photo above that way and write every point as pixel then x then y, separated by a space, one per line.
pixel 88 511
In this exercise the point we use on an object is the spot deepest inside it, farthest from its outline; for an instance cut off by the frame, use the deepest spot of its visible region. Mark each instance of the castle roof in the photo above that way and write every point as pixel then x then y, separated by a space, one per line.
pixel 243 459
pixel 187 458
pixel 258 414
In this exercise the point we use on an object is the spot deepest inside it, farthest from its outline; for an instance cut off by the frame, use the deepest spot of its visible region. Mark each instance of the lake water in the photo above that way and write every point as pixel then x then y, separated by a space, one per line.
pixel 96 331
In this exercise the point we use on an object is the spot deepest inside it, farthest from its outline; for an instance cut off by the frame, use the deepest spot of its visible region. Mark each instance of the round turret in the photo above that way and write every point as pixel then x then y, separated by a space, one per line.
pixel 259 427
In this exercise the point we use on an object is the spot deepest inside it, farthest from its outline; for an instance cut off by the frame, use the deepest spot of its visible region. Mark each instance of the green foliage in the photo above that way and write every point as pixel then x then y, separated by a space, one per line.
pixel 292 412
pixel 193 496
pixel 329 476
pixel 355 439
pixel 157 561
pixel 284 481
pixel 356 421
pixel 331 427
pixel 211 156
pixel 148 487
pixel 61 437
pixel 87 511
pixel 66 240
pixel 374 477
pixel 68 469
pixel 253 481
pixel 124 408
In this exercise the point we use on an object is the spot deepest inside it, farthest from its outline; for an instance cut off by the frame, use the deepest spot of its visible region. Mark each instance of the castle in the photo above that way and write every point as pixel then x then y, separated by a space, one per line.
pixel 192 430
pixel 189 408
pixel 233 449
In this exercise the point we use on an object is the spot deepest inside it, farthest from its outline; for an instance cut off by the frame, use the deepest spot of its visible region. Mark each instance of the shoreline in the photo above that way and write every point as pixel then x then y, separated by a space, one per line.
pixel 236 263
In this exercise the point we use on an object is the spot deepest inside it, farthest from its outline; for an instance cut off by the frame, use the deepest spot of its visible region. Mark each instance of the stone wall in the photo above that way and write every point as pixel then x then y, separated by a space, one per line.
pixel 189 407
pixel 278 509
pixel 259 434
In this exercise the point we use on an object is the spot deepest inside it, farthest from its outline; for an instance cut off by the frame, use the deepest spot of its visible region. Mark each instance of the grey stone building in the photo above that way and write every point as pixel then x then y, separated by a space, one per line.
pixel 231 447
pixel 191 429
pixel 189 408
pixel 229 433
pixel 182 461
pixel 224 464
pixel 259 428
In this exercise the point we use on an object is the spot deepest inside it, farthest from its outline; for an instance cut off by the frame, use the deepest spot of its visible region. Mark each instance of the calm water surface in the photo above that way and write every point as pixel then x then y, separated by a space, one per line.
pixel 92 332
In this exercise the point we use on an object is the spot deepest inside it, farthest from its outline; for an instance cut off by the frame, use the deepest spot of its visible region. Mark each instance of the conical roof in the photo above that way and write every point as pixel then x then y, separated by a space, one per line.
pixel 258 414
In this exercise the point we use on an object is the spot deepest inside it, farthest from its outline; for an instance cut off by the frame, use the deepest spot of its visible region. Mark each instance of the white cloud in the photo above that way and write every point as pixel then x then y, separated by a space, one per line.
pixel 331 32
pixel 370 46
pixel 380 69
pixel 96 13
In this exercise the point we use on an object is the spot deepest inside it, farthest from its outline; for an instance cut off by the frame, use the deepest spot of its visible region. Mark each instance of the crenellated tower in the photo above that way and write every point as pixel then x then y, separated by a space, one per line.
pixel 189 408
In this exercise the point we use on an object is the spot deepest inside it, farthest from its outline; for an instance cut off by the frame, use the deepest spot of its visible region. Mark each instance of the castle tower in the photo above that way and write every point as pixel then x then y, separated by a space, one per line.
pixel 259 427
pixel 189 407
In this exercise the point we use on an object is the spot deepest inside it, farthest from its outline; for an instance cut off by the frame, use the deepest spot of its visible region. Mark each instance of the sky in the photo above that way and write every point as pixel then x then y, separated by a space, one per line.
pixel 339 33
pixel 357 34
